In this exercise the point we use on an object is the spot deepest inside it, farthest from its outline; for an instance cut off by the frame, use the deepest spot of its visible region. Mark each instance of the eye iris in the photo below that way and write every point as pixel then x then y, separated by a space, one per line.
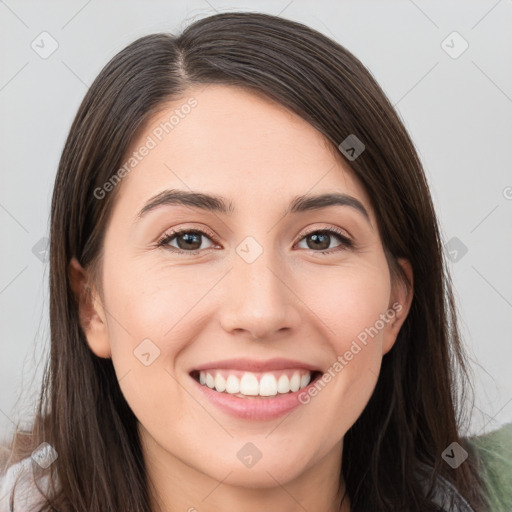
pixel 324 244
pixel 189 238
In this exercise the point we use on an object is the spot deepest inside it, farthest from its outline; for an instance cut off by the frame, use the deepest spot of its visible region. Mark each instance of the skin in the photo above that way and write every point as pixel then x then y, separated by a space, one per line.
pixel 291 302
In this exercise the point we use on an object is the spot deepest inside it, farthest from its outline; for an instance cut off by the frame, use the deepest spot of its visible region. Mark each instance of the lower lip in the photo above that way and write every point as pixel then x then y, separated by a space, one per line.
pixel 254 408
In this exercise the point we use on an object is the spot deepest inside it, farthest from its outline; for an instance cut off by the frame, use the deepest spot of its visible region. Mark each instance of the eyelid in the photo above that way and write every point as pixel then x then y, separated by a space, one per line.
pixel 342 232
pixel 186 229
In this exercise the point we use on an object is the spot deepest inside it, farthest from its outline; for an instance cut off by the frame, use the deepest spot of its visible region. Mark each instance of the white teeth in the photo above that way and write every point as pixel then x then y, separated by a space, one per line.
pixel 249 385
pixel 220 383
pixel 232 385
pixel 268 385
pixel 210 382
pixel 305 380
pixel 283 384
pixel 294 382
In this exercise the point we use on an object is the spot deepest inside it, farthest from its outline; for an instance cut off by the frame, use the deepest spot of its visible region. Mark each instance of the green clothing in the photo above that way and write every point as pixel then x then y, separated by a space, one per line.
pixel 495 451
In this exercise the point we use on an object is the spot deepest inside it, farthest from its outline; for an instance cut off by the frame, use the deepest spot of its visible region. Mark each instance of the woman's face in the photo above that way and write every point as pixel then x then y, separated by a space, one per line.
pixel 252 299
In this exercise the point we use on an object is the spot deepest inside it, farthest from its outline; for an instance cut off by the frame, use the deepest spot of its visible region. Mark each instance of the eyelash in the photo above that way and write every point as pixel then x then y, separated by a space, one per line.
pixel 346 243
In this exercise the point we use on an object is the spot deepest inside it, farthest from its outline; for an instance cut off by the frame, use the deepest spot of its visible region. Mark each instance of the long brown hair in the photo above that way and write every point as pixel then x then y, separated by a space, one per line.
pixel 418 405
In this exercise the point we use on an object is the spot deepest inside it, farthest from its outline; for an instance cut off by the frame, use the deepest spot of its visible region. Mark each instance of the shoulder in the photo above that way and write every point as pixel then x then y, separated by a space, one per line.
pixel 446 496
pixel 19 477
pixel 494 450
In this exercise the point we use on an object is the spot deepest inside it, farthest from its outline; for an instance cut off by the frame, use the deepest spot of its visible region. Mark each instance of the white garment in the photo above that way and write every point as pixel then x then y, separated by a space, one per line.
pixel 27 497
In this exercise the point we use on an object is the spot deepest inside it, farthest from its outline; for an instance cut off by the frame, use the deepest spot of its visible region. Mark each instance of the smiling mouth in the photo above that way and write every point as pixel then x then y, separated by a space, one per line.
pixel 245 384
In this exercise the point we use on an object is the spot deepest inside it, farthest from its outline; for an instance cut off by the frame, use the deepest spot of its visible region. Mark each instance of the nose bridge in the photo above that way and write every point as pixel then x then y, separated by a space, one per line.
pixel 258 301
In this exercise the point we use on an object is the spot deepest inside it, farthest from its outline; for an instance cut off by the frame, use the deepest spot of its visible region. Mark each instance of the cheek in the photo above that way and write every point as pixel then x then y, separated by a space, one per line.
pixel 148 306
pixel 349 301
pixel 155 315
pixel 149 326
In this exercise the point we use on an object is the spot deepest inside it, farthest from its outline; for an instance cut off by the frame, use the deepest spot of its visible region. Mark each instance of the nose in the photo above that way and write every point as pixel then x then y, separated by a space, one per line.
pixel 259 302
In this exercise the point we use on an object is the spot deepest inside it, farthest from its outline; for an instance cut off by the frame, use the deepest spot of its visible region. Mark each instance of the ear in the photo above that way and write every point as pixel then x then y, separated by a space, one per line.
pixel 400 303
pixel 90 310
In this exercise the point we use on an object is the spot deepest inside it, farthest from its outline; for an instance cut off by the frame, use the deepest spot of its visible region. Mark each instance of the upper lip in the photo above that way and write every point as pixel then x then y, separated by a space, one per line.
pixel 253 365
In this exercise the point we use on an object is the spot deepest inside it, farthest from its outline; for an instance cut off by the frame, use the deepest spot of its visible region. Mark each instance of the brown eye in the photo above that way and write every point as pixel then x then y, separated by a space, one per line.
pixel 320 240
pixel 186 240
pixel 189 241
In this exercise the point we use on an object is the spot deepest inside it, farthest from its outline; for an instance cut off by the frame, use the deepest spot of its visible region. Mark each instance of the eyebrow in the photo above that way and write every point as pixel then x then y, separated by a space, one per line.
pixel 218 204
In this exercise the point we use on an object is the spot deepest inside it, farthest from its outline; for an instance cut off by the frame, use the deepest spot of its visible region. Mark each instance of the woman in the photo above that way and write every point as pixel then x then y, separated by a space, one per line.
pixel 307 357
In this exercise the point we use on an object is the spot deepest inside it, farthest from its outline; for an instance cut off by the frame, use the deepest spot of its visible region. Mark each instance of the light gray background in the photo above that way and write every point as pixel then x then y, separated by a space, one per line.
pixel 457 110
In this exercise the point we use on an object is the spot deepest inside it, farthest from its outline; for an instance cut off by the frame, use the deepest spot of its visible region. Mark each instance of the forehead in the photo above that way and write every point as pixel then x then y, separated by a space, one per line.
pixel 238 144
